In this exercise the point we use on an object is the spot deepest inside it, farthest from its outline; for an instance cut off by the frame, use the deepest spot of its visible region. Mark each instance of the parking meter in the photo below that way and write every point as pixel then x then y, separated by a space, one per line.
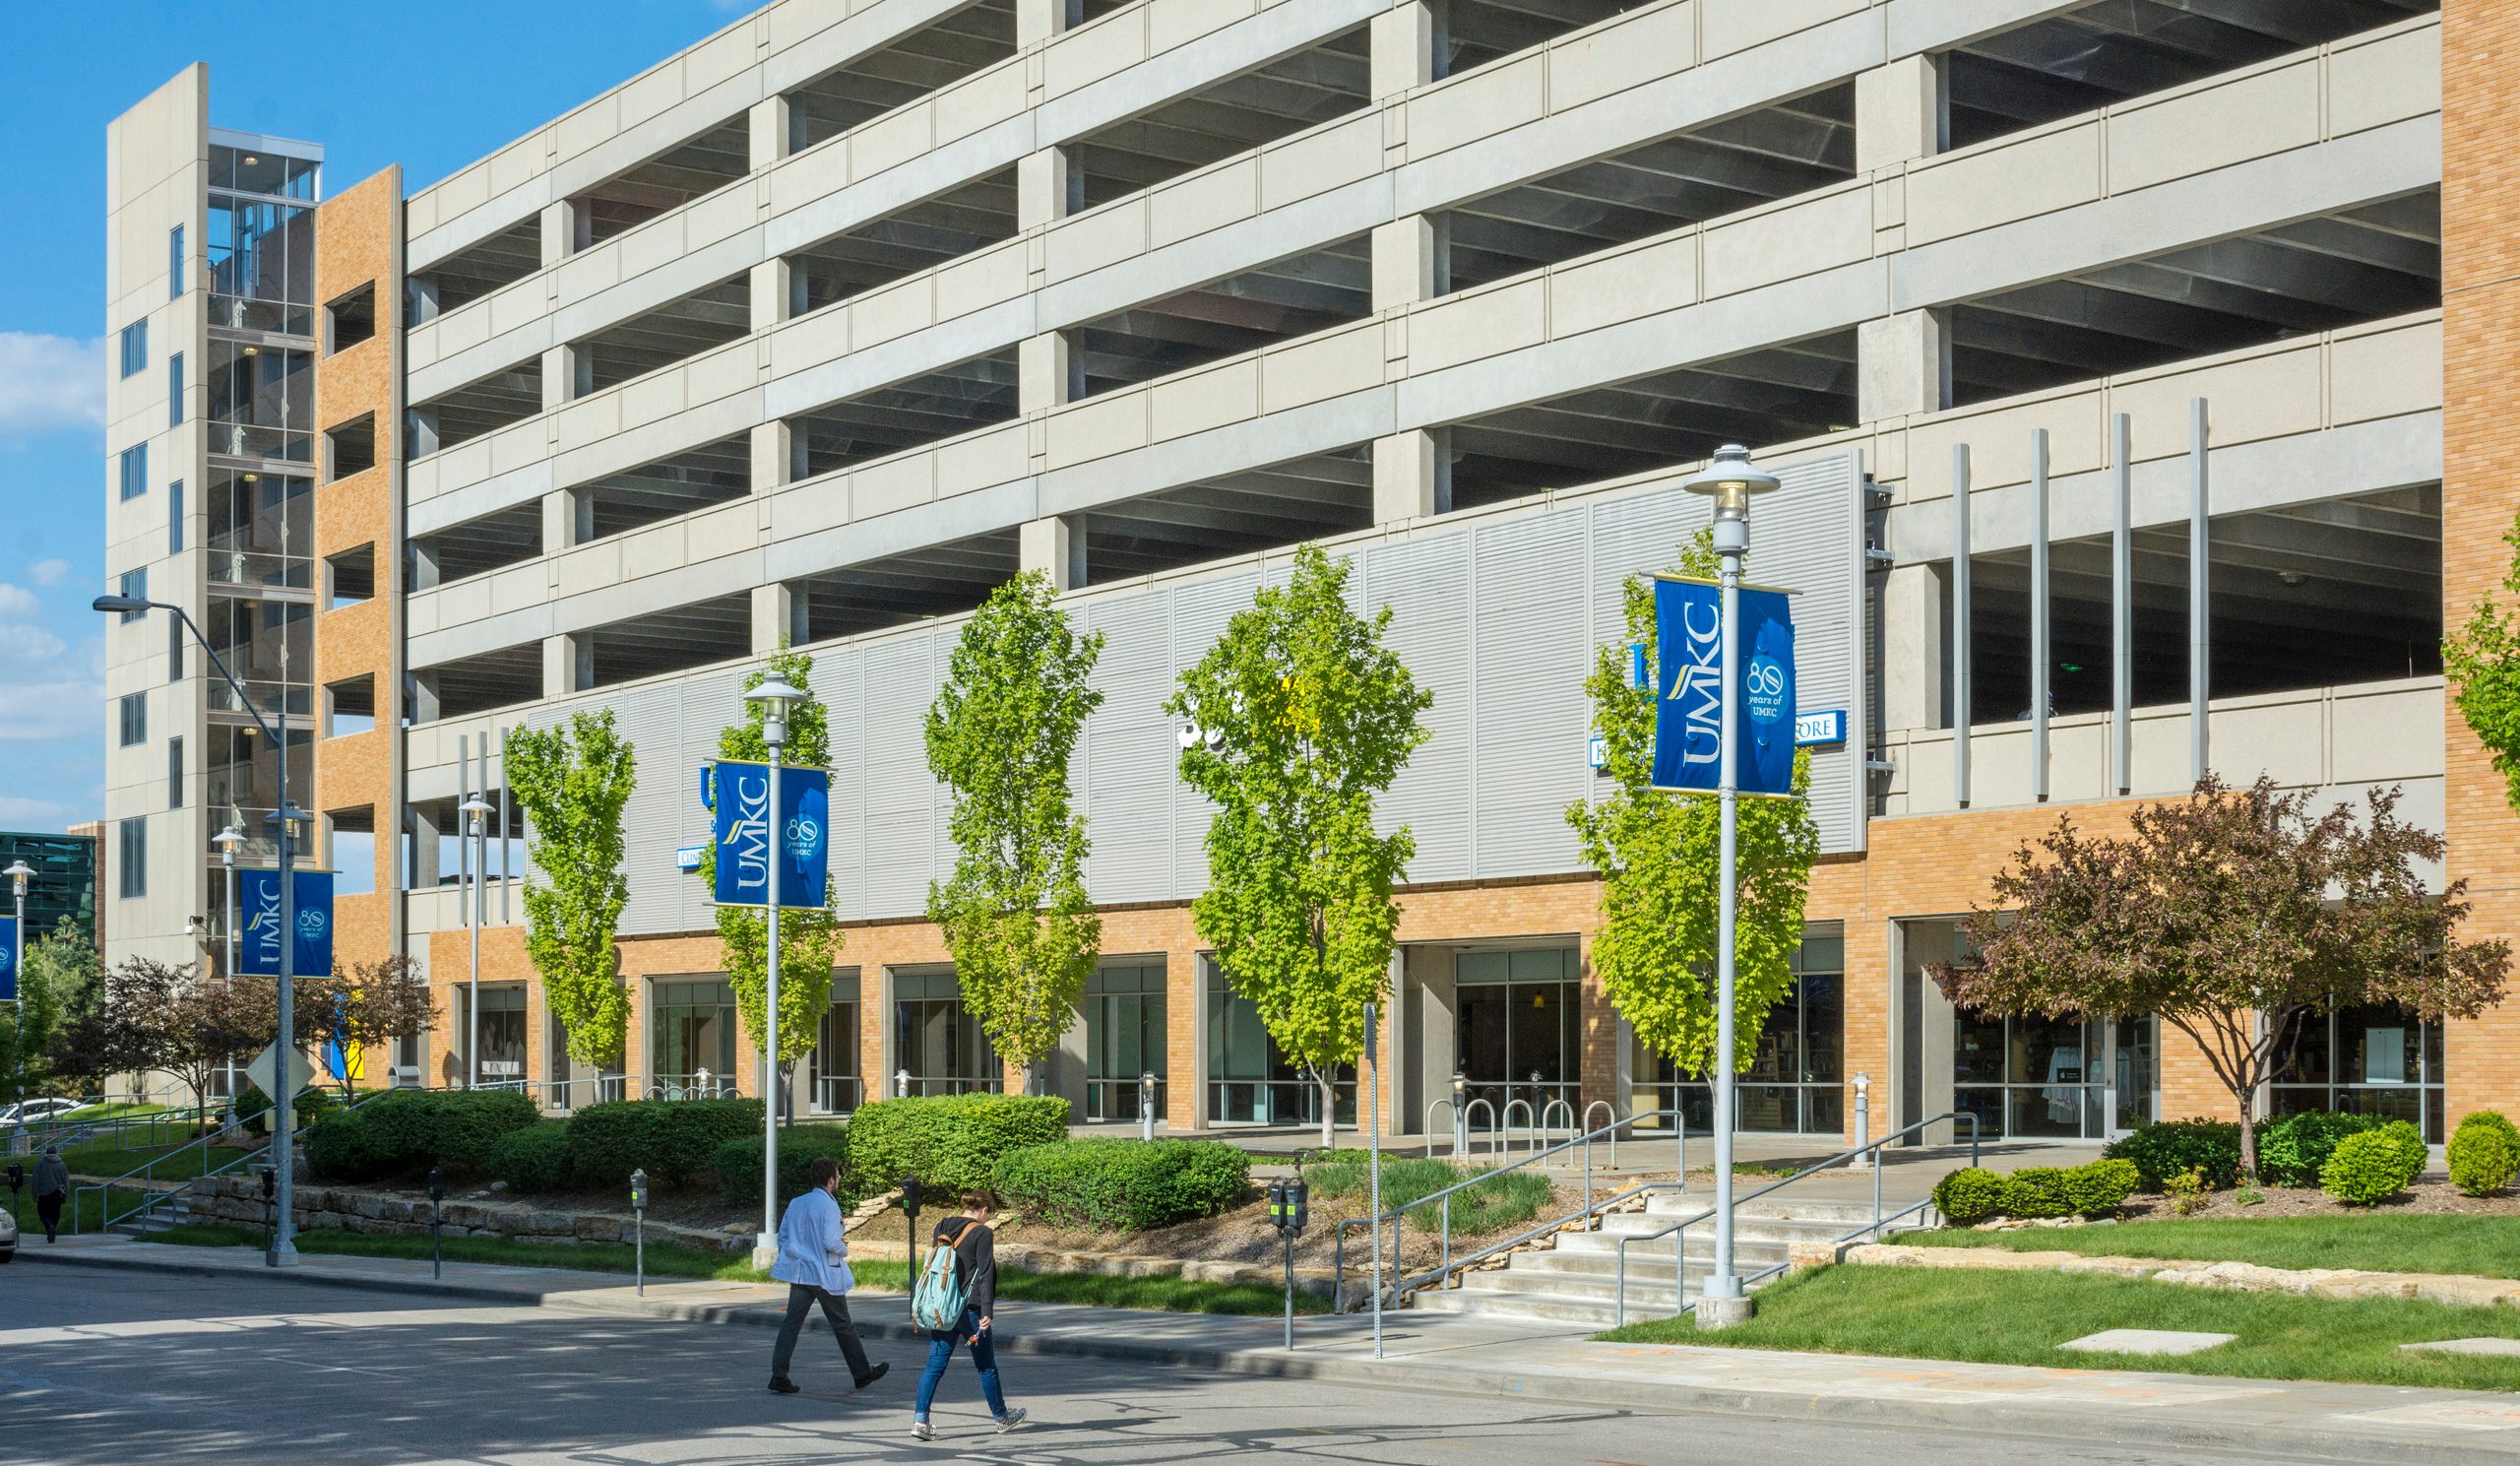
pixel 270 1190
pixel 910 1208
pixel 639 1191
pixel 17 1178
pixel 437 1212
pixel 1290 1212
pixel 639 1227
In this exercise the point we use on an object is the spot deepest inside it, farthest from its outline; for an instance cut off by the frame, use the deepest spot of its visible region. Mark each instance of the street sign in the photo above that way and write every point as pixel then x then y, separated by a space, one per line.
pixel 259 1073
pixel 1814 729
pixel 687 858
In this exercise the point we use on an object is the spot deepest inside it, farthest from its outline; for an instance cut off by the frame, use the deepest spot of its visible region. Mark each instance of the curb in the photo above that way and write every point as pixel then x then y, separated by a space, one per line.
pixel 2316 1441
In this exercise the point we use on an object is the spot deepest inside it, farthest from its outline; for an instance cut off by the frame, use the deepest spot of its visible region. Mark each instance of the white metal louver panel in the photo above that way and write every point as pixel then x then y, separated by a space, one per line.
pixel 710 702
pixel 1636 536
pixel 900 801
pixel 1808 537
pixel 1124 769
pixel 1528 712
pixel 840 681
pixel 650 720
pixel 1422 580
pixel 1200 613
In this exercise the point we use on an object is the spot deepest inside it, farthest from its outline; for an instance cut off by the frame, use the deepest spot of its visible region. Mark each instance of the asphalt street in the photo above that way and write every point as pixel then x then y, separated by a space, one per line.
pixel 99 1368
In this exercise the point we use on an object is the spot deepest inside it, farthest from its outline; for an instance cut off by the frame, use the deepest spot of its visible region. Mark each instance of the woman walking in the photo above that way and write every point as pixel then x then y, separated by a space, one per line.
pixel 975 1251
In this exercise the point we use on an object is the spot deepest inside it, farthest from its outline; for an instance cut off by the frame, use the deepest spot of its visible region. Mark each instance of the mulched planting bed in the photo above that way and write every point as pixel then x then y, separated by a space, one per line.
pixel 2429 1197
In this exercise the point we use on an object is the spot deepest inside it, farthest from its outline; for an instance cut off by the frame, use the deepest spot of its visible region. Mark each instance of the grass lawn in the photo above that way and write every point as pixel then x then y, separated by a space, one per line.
pixel 2380 1242
pixel 1512 1199
pixel 90 1211
pixel 2019 1318
pixel 665 1260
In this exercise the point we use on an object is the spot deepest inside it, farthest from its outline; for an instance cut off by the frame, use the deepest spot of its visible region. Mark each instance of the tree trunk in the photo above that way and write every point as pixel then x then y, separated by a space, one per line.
pixel 1329 1105
pixel 2247 1098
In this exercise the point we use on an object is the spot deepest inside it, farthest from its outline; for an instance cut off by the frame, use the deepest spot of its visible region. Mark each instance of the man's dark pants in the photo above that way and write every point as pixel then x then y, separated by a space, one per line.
pixel 802 1298
pixel 49 1208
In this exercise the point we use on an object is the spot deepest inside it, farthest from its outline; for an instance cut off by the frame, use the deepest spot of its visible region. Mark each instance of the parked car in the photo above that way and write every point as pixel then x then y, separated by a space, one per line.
pixel 36 1112
pixel 7 1237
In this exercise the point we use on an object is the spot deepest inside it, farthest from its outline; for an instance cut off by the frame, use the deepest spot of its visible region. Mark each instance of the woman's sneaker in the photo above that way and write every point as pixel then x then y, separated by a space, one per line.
pixel 920 1430
pixel 1011 1419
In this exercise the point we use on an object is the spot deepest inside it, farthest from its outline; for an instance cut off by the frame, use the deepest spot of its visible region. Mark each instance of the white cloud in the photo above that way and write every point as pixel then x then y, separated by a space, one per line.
pixel 16 602
pixel 34 815
pixel 50 383
pixel 44 692
pixel 48 572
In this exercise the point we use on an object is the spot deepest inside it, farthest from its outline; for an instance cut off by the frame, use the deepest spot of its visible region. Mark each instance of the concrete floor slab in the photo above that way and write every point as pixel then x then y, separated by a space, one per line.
pixel 2146 1341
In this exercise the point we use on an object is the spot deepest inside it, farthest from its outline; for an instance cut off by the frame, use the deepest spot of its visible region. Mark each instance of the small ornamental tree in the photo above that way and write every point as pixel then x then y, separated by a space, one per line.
pixel 573 783
pixel 809 939
pixel 1316 718
pixel 1015 914
pixel 372 1005
pixel 2483 661
pixel 1659 856
pixel 2234 914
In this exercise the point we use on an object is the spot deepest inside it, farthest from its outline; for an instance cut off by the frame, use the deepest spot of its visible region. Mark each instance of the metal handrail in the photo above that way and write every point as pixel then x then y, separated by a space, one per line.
pixel 72 1133
pixel 1680 1248
pixel 1339 1239
pixel 106 1220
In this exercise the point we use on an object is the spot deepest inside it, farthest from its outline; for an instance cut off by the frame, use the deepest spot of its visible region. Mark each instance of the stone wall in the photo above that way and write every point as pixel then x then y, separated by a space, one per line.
pixel 238 1199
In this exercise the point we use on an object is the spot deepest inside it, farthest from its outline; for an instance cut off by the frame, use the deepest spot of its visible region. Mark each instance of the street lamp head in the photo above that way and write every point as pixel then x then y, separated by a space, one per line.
pixel 18 873
pixel 775 695
pixel 290 814
pixel 227 840
pixel 1730 481
pixel 119 604
pixel 478 810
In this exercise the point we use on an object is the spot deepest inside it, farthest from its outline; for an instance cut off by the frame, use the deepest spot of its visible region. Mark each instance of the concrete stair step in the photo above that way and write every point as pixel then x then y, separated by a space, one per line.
pixel 1542 1306
pixel 1604 1286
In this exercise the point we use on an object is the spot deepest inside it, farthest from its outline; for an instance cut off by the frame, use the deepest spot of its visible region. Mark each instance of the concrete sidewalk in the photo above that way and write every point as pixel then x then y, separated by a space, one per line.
pixel 1470 1356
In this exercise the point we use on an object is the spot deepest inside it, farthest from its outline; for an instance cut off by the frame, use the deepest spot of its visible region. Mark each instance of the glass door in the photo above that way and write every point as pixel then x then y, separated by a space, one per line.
pixel 2134 1073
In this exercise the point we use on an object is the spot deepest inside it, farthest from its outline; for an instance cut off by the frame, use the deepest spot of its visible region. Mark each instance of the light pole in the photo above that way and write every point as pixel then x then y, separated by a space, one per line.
pixel 773 695
pixel 284 1147
pixel 473 809
pixel 227 840
pixel 1730 481
pixel 18 873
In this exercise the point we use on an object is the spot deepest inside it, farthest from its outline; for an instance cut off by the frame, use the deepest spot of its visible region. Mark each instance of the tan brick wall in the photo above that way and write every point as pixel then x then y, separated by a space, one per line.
pixel 2480 443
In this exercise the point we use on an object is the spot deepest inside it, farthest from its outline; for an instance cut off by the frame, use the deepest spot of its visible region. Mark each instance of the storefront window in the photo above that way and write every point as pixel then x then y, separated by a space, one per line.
pixel 1519 1044
pixel 936 1041
pixel 499 1032
pixel 1249 1082
pixel 1794 1081
pixel 832 1082
pixel 2369 1060
pixel 693 1040
pixel 1124 1039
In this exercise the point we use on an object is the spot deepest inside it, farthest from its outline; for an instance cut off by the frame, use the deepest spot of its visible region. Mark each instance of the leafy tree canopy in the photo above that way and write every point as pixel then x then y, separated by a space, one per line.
pixel 574 783
pixel 2483 660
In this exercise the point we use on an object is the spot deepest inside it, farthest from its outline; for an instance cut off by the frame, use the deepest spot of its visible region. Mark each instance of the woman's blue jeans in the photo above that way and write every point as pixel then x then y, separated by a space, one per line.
pixel 941 1352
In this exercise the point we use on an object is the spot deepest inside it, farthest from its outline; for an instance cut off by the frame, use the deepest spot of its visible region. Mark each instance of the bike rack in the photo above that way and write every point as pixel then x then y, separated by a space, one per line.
pixel 1495 1133
pixel 1440 1103
pixel 1551 1108
pixel 1508 1125
pixel 1613 1111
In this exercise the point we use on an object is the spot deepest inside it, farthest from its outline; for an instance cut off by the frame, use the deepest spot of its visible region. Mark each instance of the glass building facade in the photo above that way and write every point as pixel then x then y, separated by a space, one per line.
pixel 64 885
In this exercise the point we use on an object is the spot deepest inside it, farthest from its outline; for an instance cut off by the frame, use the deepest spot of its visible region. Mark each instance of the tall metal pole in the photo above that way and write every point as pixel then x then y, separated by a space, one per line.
pixel 284 1251
pixel 228 973
pixel 472 1040
pixel 770 1048
pixel 18 1025
pixel 1731 541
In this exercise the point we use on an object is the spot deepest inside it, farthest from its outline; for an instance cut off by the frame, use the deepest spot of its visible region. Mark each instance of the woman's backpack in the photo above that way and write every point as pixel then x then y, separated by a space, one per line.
pixel 936 1303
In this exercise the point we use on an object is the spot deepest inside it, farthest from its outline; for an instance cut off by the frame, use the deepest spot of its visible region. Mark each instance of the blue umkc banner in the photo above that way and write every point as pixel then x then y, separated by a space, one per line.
pixel 258 944
pixel 751 845
pixel 8 959
pixel 1688 716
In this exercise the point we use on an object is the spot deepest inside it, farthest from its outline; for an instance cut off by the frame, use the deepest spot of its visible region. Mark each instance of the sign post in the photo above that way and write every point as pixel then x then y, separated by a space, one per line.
pixel 1373 1164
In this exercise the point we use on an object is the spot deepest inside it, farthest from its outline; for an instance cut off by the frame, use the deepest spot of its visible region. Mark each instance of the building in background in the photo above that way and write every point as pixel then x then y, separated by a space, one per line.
pixel 64 884
pixel 2102 349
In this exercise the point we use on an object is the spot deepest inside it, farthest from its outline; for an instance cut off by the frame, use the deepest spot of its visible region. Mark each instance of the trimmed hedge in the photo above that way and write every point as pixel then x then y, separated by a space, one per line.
pixel 2484 1153
pixel 1972 1195
pixel 1125 1185
pixel 2371 1167
pixel 739 1161
pixel 675 1141
pixel 412 1129
pixel 535 1158
pixel 2293 1150
pixel 950 1142
pixel 2174 1147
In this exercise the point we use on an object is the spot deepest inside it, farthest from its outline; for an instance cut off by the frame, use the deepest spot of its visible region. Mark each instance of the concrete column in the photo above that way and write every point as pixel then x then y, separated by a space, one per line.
pixel 1046 372
pixel 1406 42
pixel 1903 366
pixel 559 376
pixel 1412 261
pixel 1046 187
pixel 421 298
pixel 424 835
pixel 772 464
pixel 560 232
pixel 424 700
pixel 1436 1011
pixel 1413 475
pixel 877 1018
pixel 1901 112
pixel 560 665
pixel 777 615
pixel 1056 547
pixel 770 297
pixel 1913 633
pixel 770 134
pixel 420 426
pixel 562 520
pixel 422 570
pixel 1036 20
pixel 1067 1062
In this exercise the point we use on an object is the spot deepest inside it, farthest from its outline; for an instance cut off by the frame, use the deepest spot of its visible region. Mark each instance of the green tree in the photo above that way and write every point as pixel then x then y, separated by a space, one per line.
pixel 60 978
pixel 573 783
pixel 2483 660
pixel 1659 856
pixel 1015 914
pixel 809 939
pixel 2234 914
pixel 1316 718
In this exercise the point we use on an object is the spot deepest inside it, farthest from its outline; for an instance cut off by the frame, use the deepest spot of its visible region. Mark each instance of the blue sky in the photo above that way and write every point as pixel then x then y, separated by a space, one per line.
pixel 431 86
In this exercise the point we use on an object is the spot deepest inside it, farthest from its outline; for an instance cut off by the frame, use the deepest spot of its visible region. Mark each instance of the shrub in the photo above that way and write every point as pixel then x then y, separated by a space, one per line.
pixel 413 1129
pixel 2293 1150
pixel 535 1158
pixel 675 1141
pixel 343 1148
pixel 2037 1191
pixel 2373 1165
pixel 2484 1153
pixel 2099 1188
pixel 1126 1186
pixel 951 1142
pixel 738 1163
pixel 1969 1196
pixel 2175 1147
pixel 2187 1190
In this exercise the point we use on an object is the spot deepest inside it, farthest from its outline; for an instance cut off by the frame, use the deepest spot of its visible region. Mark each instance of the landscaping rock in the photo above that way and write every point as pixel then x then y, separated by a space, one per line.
pixel 2469 1346
pixel 2146 1341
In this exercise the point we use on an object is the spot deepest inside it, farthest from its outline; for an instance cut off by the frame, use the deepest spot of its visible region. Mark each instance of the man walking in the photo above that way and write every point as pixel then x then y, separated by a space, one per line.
pixel 53 1188
pixel 813 1262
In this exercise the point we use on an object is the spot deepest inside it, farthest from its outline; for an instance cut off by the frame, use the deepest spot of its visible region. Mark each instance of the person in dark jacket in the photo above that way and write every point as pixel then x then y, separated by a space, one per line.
pixel 976 1268
pixel 53 1188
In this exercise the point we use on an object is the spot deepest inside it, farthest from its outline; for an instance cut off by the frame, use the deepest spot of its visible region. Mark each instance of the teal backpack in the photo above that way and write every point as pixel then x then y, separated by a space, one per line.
pixel 936 1303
